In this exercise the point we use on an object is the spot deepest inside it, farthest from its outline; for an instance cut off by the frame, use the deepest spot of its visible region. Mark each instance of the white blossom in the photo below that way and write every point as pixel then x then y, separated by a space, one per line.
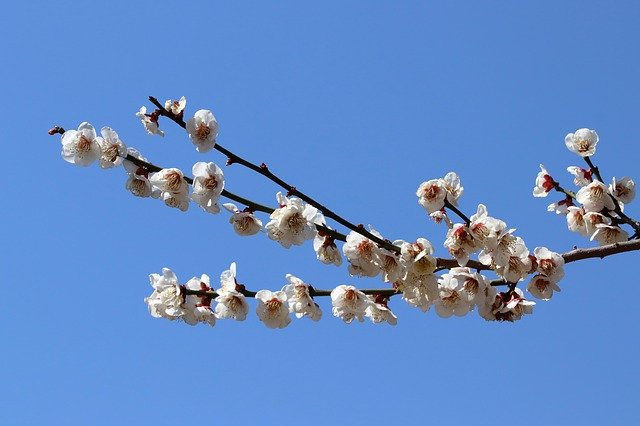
pixel 485 229
pixel 272 308
pixel 208 183
pixel 510 306
pixel 592 219
pixel 293 222
pixel 607 234
pixel 244 222
pixel 300 301
pixel 560 207
pixel 390 264
pixel 378 311
pixel 583 142
pixel 81 147
pixel 231 302
pixel 349 303
pixel 175 107
pixel 451 301
pixel 175 190
pixel 177 200
pixel 624 190
pixel 595 197
pixel 149 121
pixel 549 263
pixel 451 182
pixel 203 130
pixel 544 183
pixel 581 177
pixel 363 254
pixel 326 250
pixel 167 299
pixel 112 148
pixel 460 243
pixel 421 292
pixel 541 287
pixel 518 264
pixel 575 220
pixel 417 257
pixel 198 308
pixel 431 195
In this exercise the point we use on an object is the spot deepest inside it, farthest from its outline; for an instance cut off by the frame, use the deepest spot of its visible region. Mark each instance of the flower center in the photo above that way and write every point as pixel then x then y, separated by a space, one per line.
pixel 210 183
pixel 173 181
pixel 547 266
pixel 583 145
pixel 84 144
pixel 111 153
pixel 203 131
pixel 296 222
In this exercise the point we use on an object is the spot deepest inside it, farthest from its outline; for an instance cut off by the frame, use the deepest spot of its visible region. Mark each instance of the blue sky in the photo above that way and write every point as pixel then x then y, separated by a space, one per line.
pixel 356 103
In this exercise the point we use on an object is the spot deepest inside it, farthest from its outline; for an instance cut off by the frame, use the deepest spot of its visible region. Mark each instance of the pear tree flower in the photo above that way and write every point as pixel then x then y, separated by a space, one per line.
pixel 113 149
pixel 175 107
pixel 624 190
pixel 431 195
pixel 544 183
pixel 595 197
pixel 81 147
pixel 272 308
pixel 541 287
pixel 378 311
pixel 149 121
pixel 581 177
pixel 349 303
pixel 231 302
pixel 167 299
pixel 607 234
pixel 549 263
pixel 203 130
pixel 583 142
pixel 300 301
pixel 363 254
pixel 198 308
pixel 208 183
pixel 244 222
pixel 293 222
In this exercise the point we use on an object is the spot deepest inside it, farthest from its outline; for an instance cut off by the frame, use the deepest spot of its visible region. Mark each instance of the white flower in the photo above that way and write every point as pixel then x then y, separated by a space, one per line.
pixel 208 183
pixel 421 292
pixel 431 195
pixel 499 255
pixel 624 190
pixel 417 257
pixel 485 229
pixel 81 147
pixel 549 263
pixel 544 183
pixel 460 243
pixel 300 301
pixel 272 308
pixel 149 121
pixel 582 177
pixel 452 301
pixel 390 264
pixel 560 207
pixel 175 107
pixel 231 302
pixel 198 308
pixel 518 264
pixel 177 200
pixel 583 142
pixel 175 190
pixel 575 220
pixel 606 234
pixel 363 254
pixel 326 250
pixel 138 182
pixel 203 130
pixel 470 286
pixel 113 149
pixel 510 306
pixel 451 183
pixel 592 219
pixel 244 222
pixel 378 311
pixel 167 299
pixel 348 303
pixel 292 222
pixel 541 287
pixel 440 216
pixel 595 197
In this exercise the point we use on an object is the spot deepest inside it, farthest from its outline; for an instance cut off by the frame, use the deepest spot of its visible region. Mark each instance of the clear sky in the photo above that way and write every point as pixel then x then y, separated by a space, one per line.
pixel 356 103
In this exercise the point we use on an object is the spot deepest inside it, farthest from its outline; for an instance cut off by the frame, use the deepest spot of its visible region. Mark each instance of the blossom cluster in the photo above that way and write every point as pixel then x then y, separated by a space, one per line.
pixel 596 209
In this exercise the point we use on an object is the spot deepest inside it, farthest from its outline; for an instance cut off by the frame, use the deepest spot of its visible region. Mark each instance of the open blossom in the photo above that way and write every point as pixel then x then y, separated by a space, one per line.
pixel 293 222
pixel 510 306
pixel 595 197
pixel 440 216
pixel 431 195
pixel 378 311
pixel 541 287
pixel 518 264
pixel 607 234
pixel 177 200
pixel 326 250
pixel 624 190
pixel 175 190
pixel 581 177
pixel 272 308
pixel 198 308
pixel 575 220
pixel 417 257
pixel 485 229
pixel 363 254
pixel 561 207
pixel 583 142
pixel 544 183
pixel 390 264
pixel 549 263
pixel 113 149
pixel 419 291
pixel 451 302
pixel 460 243
pixel 208 183
pixel 244 222
pixel 300 301
pixel 175 107
pixel 349 303
pixel 167 299
pixel 149 121
pixel 451 182
pixel 592 219
pixel 138 182
pixel 81 147
pixel 203 130
pixel 231 302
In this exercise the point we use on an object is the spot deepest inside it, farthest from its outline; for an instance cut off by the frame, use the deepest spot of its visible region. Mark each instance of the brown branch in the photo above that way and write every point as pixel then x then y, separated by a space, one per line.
pixel 600 252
